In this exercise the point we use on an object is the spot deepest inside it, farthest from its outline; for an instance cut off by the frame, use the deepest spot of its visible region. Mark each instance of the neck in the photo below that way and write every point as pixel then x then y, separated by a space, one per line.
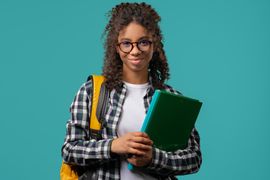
pixel 135 78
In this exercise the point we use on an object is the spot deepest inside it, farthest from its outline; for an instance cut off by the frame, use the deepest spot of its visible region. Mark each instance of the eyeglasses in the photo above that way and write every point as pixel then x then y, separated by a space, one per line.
pixel 126 46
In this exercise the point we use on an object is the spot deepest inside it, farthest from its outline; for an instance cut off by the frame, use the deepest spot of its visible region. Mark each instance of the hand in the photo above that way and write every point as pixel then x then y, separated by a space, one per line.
pixel 141 160
pixel 135 143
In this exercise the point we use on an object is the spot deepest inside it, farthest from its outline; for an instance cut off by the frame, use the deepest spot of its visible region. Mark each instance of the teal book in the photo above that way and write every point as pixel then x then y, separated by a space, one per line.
pixel 170 120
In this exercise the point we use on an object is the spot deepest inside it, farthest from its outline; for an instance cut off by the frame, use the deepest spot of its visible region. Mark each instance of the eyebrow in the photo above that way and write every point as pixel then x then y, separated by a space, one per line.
pixel 143 37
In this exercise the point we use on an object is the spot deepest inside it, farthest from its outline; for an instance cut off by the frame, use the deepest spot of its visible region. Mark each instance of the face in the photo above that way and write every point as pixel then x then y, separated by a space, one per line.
pixel 137 60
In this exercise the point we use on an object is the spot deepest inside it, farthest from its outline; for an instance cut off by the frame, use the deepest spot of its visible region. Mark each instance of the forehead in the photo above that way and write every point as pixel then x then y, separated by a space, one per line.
pixel 134 32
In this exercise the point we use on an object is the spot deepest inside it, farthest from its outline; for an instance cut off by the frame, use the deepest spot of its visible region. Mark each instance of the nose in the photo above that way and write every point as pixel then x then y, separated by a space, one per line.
pixel 135 50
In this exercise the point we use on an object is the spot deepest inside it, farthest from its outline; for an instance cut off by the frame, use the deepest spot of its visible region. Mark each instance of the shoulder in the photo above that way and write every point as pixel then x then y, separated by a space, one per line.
pixel 88 85
pixel 171 89
pixel 85 89
pixel 82 97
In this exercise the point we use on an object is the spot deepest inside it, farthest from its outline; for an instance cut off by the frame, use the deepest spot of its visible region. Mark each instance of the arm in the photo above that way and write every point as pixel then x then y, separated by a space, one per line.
pixel 78 147
pixel 180 162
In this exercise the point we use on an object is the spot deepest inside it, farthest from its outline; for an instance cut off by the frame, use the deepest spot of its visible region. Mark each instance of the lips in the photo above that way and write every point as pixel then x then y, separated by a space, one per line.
pixel 135 61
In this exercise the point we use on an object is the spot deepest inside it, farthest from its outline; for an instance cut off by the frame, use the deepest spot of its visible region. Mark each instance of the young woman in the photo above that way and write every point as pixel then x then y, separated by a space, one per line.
pixel 134 66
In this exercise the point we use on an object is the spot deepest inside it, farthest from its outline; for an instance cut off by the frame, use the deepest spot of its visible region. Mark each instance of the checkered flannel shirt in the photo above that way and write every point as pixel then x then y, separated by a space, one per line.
pixel 80 149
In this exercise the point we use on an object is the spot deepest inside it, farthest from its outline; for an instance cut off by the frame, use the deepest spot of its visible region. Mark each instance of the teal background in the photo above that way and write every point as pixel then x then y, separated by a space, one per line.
pixel 218 51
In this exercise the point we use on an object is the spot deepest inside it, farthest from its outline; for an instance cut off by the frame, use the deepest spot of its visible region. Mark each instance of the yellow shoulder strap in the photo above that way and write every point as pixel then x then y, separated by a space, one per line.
pixel 66 171
pixel 96 83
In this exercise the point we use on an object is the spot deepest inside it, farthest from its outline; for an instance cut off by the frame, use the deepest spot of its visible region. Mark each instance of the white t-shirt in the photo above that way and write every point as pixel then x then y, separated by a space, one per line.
pixel 131 120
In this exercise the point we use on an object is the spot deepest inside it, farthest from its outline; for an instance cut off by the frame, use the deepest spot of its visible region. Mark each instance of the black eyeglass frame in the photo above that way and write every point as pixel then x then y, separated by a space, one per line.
pixel 132 44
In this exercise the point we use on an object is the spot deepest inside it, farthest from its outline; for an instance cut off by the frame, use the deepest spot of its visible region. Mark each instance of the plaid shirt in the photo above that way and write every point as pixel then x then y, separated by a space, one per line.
pixel 81 150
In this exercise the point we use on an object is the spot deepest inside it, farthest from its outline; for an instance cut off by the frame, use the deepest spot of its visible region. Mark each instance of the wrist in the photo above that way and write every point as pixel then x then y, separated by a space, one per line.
pixel 114 146
pixel 112 149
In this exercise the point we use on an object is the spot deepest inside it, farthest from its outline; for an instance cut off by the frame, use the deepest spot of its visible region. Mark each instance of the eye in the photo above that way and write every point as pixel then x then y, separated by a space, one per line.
pixel 144 42
pixel 125 44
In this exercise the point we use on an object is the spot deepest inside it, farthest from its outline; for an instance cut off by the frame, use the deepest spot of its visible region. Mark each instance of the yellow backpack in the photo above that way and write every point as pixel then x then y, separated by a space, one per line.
pixel 99 98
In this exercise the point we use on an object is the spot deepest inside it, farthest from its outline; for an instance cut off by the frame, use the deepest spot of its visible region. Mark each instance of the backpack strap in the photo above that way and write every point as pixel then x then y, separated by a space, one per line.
pixel 103 100
pixel 100 97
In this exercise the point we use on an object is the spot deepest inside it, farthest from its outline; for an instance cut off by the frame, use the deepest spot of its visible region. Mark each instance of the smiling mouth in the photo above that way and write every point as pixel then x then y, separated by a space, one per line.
pixel 135 61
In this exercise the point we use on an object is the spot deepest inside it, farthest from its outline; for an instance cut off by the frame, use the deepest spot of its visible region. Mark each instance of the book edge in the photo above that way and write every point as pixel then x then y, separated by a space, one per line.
pixel 148 116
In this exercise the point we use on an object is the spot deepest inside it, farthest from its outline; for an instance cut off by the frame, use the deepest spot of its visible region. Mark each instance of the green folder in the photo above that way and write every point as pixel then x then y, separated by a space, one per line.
pixel 170 120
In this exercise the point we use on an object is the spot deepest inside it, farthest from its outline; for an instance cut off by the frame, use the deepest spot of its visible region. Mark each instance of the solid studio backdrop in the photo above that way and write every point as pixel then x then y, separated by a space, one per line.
pixel 218 52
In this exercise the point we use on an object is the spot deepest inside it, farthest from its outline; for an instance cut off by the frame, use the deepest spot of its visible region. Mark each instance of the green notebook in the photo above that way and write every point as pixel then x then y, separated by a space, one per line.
pixel 170 120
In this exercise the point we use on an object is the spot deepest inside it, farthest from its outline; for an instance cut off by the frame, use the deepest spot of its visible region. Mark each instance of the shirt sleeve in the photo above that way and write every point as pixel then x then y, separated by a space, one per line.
pixel 180 162
pixel 78 147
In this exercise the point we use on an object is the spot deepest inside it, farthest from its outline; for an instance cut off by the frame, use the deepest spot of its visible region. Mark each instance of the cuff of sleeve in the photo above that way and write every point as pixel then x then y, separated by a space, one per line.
pixel 105 145
pixel 111 154
pixel 159 160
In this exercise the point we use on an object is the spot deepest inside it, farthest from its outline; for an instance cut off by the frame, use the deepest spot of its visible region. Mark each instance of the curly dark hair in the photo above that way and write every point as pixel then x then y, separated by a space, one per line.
pixel 120 17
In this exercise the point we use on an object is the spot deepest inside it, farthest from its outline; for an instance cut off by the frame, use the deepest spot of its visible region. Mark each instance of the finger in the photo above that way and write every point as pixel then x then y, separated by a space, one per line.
pixel 133 156
pixel 132 161
pixel 141 134
pixel 142 140
pixel 137 161
pixel 136 152
pixel 140 146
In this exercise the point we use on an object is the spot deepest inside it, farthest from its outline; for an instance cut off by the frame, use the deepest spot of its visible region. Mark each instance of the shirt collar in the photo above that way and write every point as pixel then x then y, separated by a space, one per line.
pixel 150 91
